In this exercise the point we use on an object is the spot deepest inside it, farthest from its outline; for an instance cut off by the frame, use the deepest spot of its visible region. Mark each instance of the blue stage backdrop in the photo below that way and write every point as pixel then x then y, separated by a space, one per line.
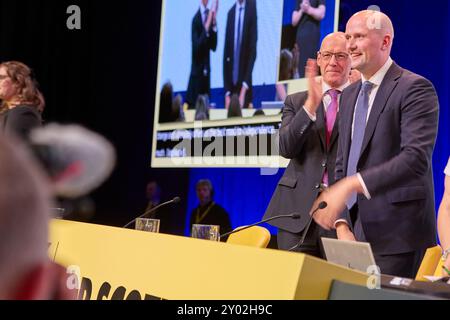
pixel 421 45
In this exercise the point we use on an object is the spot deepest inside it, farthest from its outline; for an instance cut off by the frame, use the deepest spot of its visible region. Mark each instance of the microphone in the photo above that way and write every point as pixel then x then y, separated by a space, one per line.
pixel 174 200
pixel 321 205
pixel 292 215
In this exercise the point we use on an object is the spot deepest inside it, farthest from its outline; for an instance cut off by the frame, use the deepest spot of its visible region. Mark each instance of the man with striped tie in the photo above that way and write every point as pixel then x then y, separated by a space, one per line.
pixel 387 132
pixel 308 136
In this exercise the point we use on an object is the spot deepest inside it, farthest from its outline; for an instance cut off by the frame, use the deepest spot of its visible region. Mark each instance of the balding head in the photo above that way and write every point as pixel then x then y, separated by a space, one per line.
pixel 24 215
pixel 376 21
pixel 370 35
pixel 333 60
pixel 333 38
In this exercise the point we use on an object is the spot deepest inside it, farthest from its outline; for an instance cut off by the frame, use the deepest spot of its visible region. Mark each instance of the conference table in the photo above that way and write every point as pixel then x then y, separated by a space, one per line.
pixel 109 263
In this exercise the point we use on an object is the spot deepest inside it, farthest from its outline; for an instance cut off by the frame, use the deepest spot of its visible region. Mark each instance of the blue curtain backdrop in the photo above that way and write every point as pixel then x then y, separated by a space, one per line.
pixel 421 45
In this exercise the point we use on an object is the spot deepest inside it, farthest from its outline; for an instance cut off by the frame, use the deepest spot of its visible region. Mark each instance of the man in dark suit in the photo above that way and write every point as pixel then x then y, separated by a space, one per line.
pixel 204 39
pixel 387 132
pixel 240 51
pixel 308 136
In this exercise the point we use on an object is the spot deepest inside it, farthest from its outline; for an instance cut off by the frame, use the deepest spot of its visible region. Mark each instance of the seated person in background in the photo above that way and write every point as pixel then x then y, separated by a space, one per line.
pixel 26 272
pixel 177 109
pixel 444 221
pixel 165 103
pixel 165 214
pixel 153 195
pixel 288 71
pixel 234 110
pixel 22 102
pixel 202 108
pixel 170 107
pixel 208 212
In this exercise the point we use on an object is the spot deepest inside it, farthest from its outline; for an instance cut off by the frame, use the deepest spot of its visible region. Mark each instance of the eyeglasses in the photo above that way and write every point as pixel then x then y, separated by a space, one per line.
pixel 339 56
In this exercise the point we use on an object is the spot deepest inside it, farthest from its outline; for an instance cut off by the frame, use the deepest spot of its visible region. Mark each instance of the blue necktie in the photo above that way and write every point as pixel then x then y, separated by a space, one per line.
pixel 359 127
pixel 205 13
pixel 237 49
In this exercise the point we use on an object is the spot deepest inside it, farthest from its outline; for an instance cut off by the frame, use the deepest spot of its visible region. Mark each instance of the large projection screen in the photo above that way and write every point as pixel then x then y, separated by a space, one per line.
pixel 222 138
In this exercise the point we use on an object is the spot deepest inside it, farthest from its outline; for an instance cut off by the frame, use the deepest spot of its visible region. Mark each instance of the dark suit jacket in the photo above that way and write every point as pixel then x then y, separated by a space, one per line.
pixel 304 142
pixel 248 47
pixel 202 43
pixel 395 161
pixel 20 121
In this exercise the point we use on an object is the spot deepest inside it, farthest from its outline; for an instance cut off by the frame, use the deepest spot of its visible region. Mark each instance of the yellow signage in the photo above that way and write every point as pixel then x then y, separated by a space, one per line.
pixel 114 263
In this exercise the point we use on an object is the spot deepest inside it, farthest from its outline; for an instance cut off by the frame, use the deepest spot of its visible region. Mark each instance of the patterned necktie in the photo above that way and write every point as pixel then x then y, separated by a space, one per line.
pixel 330 119
pixel 359 127
pixel 331 112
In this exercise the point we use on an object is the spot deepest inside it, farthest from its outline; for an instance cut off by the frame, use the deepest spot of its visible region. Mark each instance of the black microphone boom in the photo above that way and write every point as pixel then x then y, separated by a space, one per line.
pixel 293 216
pixel 174 200
pixel 321 205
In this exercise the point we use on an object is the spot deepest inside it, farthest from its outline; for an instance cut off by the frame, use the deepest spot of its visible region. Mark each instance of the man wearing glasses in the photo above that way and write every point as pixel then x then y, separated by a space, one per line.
pixel 308 136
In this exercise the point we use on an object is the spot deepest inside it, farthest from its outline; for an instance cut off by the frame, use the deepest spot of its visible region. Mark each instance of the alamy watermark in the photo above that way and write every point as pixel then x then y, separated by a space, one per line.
pixel 74 19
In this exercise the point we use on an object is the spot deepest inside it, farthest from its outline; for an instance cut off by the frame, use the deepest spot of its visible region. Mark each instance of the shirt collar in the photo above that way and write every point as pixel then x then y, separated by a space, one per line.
pixel 202 8
pixel 378 77
pixel 326 87
pixel 239 5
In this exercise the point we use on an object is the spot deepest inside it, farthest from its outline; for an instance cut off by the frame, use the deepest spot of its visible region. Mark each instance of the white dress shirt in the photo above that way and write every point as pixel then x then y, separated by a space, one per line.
pixel 326 99
pixel 376 80
pixel 236 22
pixel 203 12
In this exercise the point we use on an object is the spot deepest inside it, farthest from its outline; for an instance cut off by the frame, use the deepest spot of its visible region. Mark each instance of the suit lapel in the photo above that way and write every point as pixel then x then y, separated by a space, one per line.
pixel 346 110
pixel 335 131
pixel 232 30
pixel 387 86
pixel 198 18
pixel 320 125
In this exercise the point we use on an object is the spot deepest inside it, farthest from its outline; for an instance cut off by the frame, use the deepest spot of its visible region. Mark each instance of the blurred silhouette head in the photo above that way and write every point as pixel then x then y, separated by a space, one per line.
pixel 177 108
pixel 234 109
pixel 286 62
pixel 153 191
pixel 202 107
pixel 165 103
pixel 259 112
pixel 25 204
pixel 205 191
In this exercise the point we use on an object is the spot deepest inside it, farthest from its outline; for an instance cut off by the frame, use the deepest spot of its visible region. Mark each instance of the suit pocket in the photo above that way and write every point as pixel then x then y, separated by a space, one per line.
pixel 288 182
pixel 406 194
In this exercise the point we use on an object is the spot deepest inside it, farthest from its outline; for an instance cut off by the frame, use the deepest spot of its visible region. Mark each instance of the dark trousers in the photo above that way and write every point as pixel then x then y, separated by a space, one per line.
pixel 312 244
pixel 403 265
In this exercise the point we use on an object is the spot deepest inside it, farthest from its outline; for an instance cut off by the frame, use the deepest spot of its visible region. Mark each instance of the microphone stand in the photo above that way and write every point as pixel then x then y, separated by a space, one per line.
pixel 321 205
pixel 175 200
pixel 294 216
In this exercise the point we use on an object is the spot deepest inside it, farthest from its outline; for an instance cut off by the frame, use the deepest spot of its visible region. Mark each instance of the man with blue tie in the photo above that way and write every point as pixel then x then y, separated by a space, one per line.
pixel 308 136
pixel 240 51
pixel 387 133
